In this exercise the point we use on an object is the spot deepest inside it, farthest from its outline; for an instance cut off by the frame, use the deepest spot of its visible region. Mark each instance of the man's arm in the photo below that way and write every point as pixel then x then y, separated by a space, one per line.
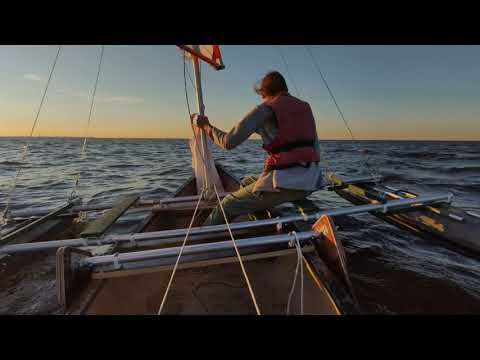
pixel 253 121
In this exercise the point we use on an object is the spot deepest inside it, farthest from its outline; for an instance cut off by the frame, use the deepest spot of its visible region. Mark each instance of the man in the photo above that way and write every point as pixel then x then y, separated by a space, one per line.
pixel 291 170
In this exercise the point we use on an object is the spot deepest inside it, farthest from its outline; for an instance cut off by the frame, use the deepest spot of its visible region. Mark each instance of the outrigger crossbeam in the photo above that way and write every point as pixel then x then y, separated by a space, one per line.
pixel 175 236
pixel 121 261
pixel 6 237
pixel 19 214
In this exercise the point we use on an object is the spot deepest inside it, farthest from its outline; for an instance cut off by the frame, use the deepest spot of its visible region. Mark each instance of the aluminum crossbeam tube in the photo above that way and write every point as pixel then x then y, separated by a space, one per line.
pixel 142 202
pixel 98 207
pixel 193 249
pixel 471 213
pixel 173 200
pixel 5 237
pixel 165 234
pixel 41 212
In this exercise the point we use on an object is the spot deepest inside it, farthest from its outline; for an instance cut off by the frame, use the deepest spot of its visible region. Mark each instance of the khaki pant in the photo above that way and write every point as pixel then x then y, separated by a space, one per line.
pixel 245 201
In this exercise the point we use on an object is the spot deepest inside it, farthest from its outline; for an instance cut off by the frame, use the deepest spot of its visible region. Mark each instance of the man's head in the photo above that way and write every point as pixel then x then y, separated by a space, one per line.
pixel 272 84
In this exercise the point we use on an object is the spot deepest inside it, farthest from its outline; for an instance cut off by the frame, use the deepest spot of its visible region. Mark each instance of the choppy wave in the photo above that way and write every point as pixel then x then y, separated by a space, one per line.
pixel 414 154
pixel 11 163
pixel 382 259
pixel 474 169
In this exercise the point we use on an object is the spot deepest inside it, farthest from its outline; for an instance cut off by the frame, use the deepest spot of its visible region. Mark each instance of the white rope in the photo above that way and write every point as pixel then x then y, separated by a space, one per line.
pixel 252 294
pixel 296 243
pixel 194 215
pixel 180 253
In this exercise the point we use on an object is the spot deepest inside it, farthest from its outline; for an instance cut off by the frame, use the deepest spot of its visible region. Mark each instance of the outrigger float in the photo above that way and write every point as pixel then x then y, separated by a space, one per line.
pixel 102 271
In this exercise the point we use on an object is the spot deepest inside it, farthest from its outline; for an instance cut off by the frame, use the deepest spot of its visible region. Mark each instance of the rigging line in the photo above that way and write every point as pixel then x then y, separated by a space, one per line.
pixel 296 243
pixel 373 172
pixel 185 85
pixel 330 91
pixel 45 91
pixel 252 294
pixel 84 145
pixel 298 94
pixel 180 254
pixel 191 80
pixel 188 106
pixel 102 48
pixel 25 148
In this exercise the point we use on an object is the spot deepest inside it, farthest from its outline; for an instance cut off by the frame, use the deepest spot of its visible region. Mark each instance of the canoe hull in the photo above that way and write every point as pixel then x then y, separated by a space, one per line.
pixel 213 283
pixel 456 228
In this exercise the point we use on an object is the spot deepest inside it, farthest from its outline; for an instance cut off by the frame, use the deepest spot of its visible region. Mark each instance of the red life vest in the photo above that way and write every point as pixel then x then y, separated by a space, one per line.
pixel 295 140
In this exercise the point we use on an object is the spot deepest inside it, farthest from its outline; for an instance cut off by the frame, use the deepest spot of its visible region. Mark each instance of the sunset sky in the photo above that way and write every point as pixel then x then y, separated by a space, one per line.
pixel 385 92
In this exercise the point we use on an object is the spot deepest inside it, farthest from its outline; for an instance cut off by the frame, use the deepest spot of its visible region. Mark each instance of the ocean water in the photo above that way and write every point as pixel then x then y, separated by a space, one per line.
pixel 393 272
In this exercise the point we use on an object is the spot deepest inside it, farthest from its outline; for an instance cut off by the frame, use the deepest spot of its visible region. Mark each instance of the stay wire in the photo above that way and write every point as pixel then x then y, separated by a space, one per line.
pixel 373 172
pixel 191 80
pixel 92 102
pixel 45 91
pixel 25 147
pixel 298 93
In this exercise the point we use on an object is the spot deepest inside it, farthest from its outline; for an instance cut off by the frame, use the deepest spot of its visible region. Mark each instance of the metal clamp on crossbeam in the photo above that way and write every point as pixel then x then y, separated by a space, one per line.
pixel 128 260
pixel 336 182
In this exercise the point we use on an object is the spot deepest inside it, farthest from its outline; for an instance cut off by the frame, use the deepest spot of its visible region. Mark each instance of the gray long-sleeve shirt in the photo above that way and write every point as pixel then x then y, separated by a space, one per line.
pixel 261 120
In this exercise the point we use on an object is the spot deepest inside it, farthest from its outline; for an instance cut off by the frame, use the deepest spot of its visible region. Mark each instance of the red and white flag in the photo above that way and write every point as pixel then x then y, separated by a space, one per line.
pixel 208 53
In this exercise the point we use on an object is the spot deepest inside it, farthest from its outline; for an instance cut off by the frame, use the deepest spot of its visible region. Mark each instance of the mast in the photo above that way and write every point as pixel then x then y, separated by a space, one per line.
pixel 204 168
pixel 201 111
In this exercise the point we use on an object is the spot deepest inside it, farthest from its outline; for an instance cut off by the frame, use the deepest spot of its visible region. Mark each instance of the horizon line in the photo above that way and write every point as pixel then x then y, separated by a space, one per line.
pixel 188 138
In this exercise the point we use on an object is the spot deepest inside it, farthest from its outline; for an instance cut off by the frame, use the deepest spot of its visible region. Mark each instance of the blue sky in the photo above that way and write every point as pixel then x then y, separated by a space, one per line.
pixel 385 92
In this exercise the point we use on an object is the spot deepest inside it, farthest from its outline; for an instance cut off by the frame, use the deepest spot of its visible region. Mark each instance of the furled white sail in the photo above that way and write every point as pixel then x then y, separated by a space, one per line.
pixel 203 164
pixel 204 169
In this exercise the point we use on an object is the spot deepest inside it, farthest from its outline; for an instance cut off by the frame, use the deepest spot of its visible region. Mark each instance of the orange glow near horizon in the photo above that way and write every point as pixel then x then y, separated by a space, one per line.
pixel 385 92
